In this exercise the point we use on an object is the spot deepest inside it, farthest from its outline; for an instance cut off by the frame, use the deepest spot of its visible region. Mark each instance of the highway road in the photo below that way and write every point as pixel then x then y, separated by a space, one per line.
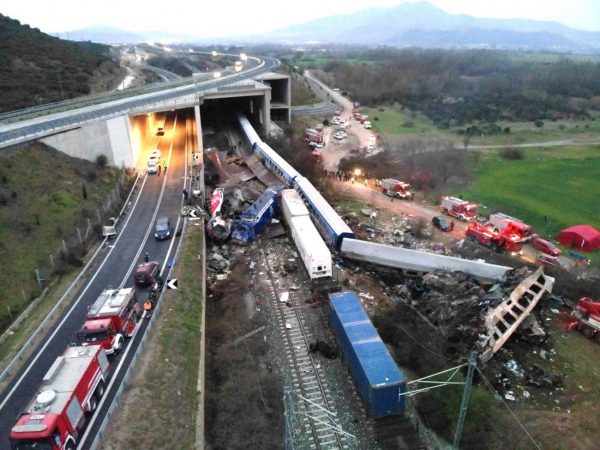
pixel 158 195
pixel 32 123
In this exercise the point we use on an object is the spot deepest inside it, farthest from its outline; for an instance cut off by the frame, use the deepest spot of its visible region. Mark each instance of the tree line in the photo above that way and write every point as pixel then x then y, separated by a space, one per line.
pixel 458 87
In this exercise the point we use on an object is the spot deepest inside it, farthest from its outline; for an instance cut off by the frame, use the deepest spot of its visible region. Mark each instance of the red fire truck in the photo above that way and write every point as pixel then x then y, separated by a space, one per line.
pixel 312 135
pixel 461 209
pixel 502 221
pixel 113 317
pixel 500 241
pixel 395 188
pixel 71 388
pixel 586 318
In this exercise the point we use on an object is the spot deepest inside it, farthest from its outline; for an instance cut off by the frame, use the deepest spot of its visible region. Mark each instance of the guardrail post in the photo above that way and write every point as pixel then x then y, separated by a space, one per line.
pixel 52 260
pixel 64 246
pixel 79 235
pixel 89 227
pixel 38 277
pixel 98 214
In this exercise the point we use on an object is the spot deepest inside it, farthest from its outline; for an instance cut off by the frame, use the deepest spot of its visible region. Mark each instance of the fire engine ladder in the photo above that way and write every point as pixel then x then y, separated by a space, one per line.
pixel 504 319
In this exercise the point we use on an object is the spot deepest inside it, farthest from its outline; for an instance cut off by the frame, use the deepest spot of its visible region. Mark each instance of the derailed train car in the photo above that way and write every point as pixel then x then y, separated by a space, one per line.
pixel 378 379
pixel 313 251
pixel 328 221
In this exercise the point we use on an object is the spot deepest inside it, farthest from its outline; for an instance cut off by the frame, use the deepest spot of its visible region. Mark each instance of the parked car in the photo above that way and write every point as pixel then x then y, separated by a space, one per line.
pixel 146 273
pixel 548 260
pixel 442 223
pixel 546 246
pixel 163 229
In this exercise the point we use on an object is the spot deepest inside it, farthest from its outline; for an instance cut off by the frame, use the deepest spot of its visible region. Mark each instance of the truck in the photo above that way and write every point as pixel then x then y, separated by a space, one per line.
pixel 70 390
pixel 258 215
pixel 586 318
pixel 487 235
pixel 461 209
pixel 395 188
pixel 111 318
pixel 313 136
pixel 503 221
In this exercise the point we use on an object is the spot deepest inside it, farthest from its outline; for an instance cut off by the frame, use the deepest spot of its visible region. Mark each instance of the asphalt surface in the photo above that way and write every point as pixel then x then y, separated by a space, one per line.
pixel 160 195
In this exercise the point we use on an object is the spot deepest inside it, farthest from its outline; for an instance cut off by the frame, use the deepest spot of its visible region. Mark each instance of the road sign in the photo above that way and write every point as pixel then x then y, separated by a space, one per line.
pixel 172 283
pixel 192 214
pixel 196 156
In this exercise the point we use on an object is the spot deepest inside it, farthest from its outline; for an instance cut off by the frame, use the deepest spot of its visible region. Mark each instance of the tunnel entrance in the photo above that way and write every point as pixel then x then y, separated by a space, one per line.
pixel 220 114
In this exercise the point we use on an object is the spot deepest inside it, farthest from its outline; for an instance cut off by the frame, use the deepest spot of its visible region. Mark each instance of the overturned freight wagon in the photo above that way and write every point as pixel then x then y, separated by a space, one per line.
pixel 378 379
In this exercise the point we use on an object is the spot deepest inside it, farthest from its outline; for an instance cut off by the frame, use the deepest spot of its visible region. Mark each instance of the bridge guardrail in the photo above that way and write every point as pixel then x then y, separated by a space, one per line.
pixel 188 86
pixel 90 100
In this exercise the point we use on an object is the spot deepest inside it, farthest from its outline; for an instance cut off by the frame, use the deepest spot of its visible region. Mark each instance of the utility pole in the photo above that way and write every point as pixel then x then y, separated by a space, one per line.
pixel 465 399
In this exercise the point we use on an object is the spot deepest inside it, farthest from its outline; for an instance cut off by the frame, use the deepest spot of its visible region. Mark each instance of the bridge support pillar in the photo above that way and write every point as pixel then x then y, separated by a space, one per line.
pixel 198 127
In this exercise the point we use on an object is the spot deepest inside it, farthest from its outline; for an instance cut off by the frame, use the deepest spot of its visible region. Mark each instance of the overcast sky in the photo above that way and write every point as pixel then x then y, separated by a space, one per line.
pixel 209 18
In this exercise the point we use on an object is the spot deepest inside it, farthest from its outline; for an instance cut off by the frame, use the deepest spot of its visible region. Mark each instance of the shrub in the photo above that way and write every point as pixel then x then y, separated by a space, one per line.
pixel 507 130
pixel 512 153
pixel 538 123
pixel 101 161
pixel 408 124
pixel 326 123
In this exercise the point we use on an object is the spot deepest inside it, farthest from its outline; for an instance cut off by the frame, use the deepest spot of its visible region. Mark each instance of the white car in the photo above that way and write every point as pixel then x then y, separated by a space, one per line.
pixel 345 125
pixel 153 165
pixel 335 121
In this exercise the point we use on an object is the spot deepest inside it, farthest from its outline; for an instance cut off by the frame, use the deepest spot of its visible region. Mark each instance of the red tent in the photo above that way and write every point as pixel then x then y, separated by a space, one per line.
pixel 580 237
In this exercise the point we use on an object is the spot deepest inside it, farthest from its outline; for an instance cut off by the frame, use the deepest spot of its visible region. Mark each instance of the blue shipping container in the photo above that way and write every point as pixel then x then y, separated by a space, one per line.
pixel 375 373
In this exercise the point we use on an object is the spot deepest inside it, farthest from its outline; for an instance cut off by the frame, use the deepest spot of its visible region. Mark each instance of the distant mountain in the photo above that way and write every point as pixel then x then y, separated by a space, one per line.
pixel 422 24
pixel 108 35
pixel 102 34
pixel 38 68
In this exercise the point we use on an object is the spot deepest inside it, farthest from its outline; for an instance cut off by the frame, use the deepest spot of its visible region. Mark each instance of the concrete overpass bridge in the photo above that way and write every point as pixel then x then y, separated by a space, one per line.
pixel 115 124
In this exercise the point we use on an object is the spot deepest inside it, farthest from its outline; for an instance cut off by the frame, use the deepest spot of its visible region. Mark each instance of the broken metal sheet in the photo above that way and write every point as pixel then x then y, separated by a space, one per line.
pixel 245 175
pixel 502 321
pixel 261 172
pixel 273 230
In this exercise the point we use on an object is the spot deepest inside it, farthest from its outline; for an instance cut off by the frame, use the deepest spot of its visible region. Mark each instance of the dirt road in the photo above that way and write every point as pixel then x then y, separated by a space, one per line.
pixel 358 136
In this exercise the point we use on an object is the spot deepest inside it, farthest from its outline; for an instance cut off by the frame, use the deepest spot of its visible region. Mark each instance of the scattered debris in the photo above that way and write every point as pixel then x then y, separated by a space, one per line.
pixel 324 348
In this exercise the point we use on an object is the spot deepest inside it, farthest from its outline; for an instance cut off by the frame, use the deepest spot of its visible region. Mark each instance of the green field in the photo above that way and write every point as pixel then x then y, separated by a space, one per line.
pixel 526 132
pixel 393 122
pixel 550 188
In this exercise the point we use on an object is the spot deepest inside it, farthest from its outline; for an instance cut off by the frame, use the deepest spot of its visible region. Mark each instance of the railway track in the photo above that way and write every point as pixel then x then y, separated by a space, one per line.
pixel 317 423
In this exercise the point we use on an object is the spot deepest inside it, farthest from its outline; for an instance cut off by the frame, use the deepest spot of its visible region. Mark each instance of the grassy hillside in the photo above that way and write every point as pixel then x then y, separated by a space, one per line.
pixel 36 68
pixel 44 196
